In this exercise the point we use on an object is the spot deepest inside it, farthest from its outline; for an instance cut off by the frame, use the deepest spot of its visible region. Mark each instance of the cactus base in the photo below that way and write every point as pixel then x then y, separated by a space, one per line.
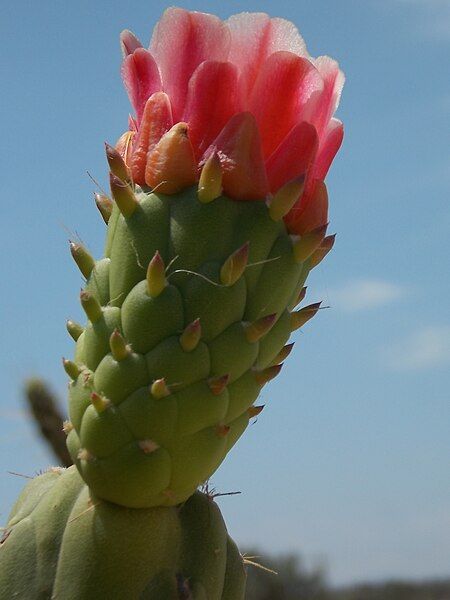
pixel 63 543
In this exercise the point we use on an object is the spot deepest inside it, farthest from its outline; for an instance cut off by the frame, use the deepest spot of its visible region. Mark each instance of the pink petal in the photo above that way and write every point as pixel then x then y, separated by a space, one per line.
pixel 329 146
pixel 281 91
pixel 254 37
pixel 293 157
pixel 323 106
pixel 211 102
pixel 311 212
pixel 132 125
pixel 181 41
pixel 156 121
pixel 129 42
pixel 141 78
pixel 284 35
pixel 333 77
pixel 239 149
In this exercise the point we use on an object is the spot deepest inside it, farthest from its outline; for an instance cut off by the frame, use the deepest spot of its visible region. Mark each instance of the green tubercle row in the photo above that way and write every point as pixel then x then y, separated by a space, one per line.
pixel 188 318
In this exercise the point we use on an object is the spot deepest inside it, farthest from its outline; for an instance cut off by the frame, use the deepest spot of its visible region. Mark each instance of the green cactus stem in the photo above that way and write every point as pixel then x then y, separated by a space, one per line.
pixel 188 318
pixel 62 542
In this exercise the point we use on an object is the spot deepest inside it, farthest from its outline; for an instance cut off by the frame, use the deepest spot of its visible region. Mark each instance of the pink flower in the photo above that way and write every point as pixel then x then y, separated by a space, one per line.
pixel 245 89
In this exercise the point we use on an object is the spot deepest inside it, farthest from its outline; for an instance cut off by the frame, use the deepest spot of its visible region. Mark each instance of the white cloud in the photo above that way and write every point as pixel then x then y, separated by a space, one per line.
pixel 426 348
pixel 364 294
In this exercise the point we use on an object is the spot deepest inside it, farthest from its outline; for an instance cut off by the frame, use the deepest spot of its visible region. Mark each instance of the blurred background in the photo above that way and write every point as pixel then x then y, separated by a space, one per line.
pixel 348 466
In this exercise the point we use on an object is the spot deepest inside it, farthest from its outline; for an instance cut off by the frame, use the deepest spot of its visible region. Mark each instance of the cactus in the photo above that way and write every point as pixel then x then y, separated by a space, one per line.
pixel 61 542
pixel 217 216
pixel 218 212
pixel 183 332
pixel 43 407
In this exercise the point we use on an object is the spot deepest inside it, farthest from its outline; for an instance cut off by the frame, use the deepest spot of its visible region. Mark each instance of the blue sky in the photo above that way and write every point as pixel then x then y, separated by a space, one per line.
pixel 349 463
